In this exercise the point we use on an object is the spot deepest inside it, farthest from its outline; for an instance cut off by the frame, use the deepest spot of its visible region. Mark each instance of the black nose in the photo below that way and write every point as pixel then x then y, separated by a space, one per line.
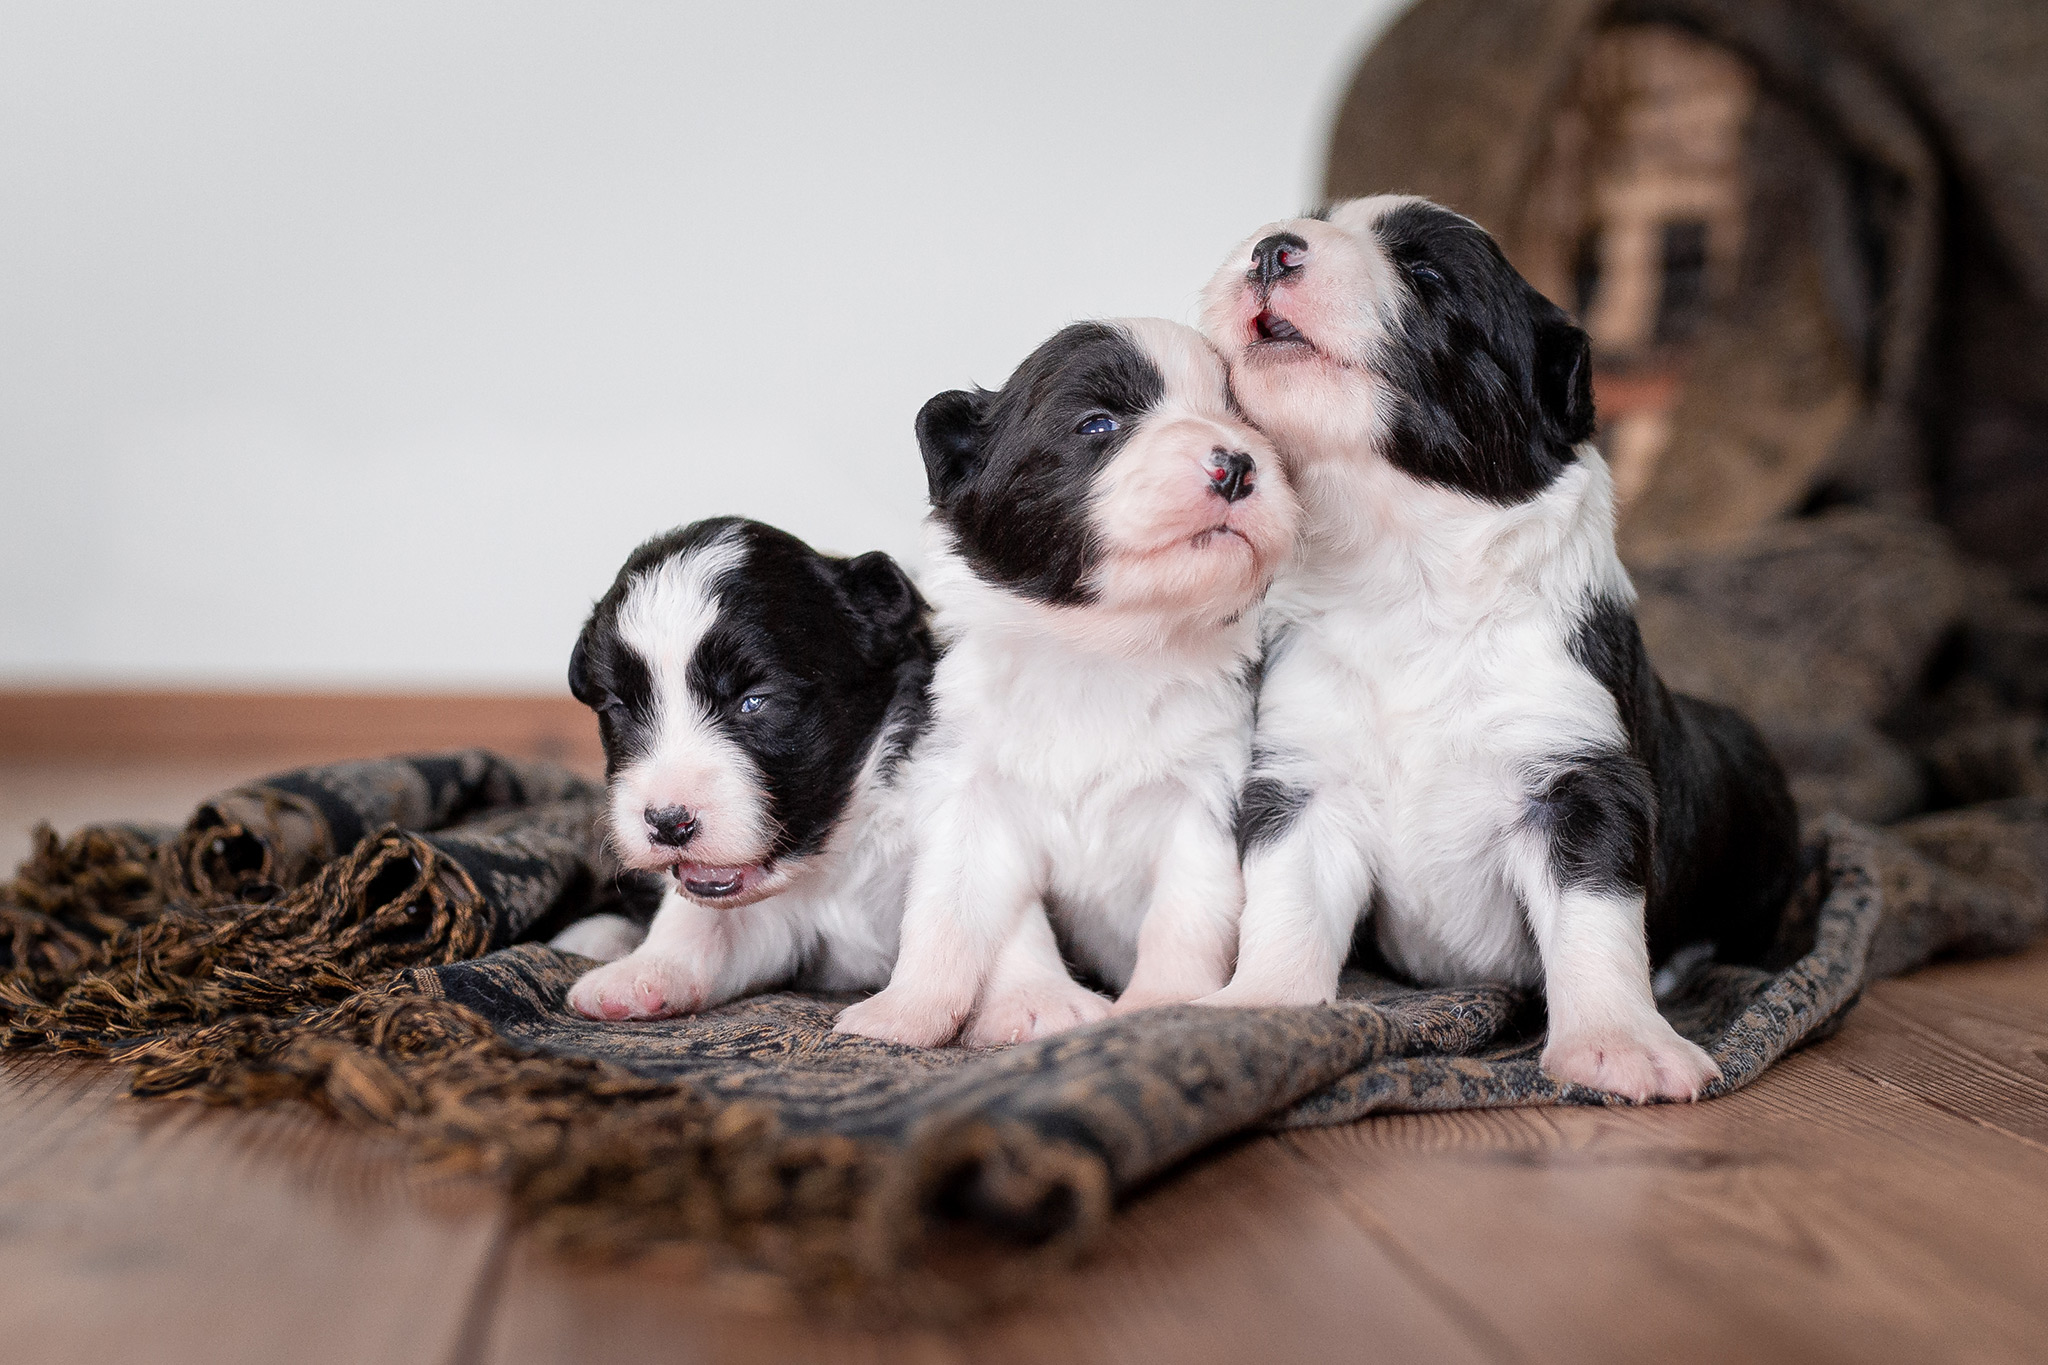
pixel 1231 475
pixel 1277 256
pixel 671 826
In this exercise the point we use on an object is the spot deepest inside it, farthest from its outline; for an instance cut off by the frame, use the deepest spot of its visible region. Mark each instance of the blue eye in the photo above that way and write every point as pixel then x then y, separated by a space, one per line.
pixel 750 704
pixel 1423 272
pixel 1097 426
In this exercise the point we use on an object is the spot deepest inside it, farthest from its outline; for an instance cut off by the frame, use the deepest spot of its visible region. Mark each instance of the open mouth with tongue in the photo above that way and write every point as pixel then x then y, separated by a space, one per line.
pixel 1270 331
pixel 702 881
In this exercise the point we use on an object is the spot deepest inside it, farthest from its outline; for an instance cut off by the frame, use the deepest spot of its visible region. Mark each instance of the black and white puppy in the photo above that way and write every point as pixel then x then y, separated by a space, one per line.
pixel 1458 727
pixel 755 700
pixel 1100 531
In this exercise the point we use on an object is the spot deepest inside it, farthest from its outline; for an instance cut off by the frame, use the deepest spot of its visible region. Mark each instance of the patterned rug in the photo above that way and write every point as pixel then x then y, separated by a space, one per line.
pixel 365 937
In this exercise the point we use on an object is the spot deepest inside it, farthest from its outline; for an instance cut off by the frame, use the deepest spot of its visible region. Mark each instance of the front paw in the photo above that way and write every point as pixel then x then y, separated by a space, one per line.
pixel 1248 995
pixel 1149 990
pixel 1641 1061
pixel 639 985
pixel 894 1015
pixel 1037 1010
pixel 604 938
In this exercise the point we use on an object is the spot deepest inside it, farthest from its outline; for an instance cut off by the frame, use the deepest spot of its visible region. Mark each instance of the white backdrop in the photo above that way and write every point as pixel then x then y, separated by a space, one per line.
pixel 355 344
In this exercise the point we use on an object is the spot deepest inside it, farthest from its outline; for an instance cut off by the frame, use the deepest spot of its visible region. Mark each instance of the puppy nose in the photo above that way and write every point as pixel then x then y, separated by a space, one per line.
pixel 1277 257
pixel 1231 475
pixel 671 826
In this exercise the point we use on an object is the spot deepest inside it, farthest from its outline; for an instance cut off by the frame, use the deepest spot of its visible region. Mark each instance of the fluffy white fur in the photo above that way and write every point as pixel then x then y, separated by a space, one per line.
pixel 1083 762
pixel 1418 680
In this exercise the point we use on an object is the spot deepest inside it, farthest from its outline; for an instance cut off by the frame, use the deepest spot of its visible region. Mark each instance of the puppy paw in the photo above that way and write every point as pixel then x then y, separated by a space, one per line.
pixel 1643 1061
pixel 604 937
pixel 1150 997
pixel 1245 995
pixel 638 986
pixel 1033 1010
pixel 896 1016
pixel 1148 990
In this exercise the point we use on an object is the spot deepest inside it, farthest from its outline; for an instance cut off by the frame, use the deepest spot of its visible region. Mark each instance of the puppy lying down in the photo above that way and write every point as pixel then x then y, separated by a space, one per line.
pixel 1101 529
pixel 756 700
pixel 1459 732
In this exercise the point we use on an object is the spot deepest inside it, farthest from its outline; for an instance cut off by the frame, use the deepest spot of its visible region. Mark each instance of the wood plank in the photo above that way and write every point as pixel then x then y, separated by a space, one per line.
pixel 1814 1216
pixel 1243 1257
pixel 169 1232
pixel 269 730
pixel 1978 1061
pixel 2017 983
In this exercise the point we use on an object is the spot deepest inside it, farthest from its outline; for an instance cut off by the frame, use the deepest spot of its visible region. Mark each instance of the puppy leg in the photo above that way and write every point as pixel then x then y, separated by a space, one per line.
pixel 692 958
pixel 606 938
pixel 969 884
pixel 1029 992
pixel 1303 894
pixel 1189 933
pixel 1579 865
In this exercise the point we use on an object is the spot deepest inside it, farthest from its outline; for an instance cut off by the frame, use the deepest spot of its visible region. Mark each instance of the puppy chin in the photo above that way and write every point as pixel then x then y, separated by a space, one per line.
pixel 1211 574
pixel 1312 409
pixel 717 879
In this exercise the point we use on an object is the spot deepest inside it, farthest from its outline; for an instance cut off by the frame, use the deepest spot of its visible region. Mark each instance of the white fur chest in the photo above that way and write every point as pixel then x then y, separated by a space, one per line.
pixel 1421 678
pixel 1090 755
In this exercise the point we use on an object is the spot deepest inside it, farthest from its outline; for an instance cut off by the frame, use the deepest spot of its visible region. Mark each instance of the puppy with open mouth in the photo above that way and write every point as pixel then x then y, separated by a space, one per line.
pixel 1459 730
pixel 756 700
pixel 1101 529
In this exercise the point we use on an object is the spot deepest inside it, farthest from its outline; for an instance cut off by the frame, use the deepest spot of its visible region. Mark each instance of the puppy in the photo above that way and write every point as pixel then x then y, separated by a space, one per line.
pixel 1100 531
pixel 756 700
pixel 1458 726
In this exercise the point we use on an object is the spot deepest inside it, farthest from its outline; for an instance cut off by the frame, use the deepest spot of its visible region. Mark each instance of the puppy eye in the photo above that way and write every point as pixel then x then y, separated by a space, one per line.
pixel 1097 426
pixel 752 702
pixel 1423 272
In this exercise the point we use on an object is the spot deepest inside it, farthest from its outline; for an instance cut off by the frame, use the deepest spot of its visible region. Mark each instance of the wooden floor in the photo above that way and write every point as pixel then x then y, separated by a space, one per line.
pixel 1882 1196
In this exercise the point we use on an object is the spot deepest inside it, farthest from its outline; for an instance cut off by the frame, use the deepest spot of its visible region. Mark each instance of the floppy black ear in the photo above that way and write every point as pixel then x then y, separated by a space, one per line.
pixel 886 599
pixel 1564 378
pixel 949 434
pixel 580 685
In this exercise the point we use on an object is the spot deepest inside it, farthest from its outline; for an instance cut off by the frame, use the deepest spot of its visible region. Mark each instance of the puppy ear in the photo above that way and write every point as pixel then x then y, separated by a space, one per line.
pixel 1564 377
pixel 580 685
pixel 949 434
pixel 886 601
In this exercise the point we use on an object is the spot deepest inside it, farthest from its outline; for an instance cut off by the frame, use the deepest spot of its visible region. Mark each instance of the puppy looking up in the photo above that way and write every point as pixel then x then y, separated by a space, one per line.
pixel 755 699
pixel 1458 726
pixel 1100 531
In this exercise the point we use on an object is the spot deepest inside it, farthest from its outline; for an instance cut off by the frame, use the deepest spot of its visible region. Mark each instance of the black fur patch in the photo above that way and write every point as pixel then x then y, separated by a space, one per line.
pixel 1494 381
pixel 1011 473
pixel 1600 813
pixel 1725 836
pixel 840 649
pixel 1266 809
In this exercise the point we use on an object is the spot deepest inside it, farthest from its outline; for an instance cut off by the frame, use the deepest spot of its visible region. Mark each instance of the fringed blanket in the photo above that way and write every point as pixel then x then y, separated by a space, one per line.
pixel 363 937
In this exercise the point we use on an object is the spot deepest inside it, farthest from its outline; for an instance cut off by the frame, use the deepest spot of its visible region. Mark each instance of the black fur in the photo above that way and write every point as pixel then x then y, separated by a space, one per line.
pixel 1600 812
pixel 1494 381
pixel 1010 472
pixel 1721 832
pixel 841 648
pixel 1266 808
